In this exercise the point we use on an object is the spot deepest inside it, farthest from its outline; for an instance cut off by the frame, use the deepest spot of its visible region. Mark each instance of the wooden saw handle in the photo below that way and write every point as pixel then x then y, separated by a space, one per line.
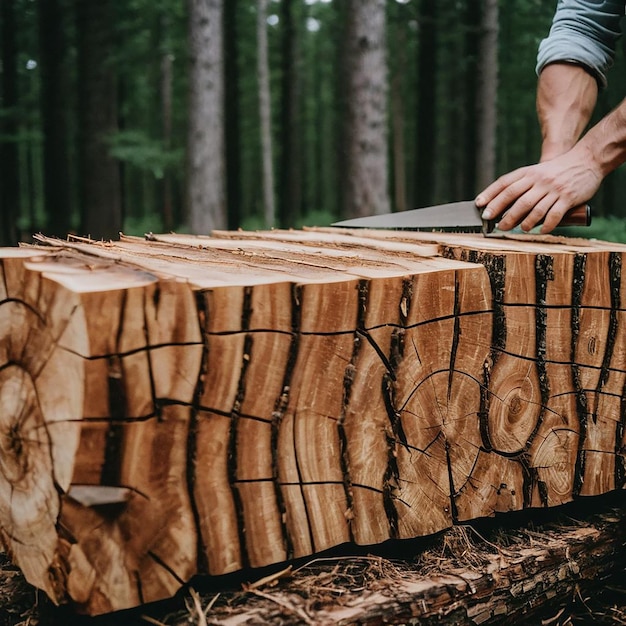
pixel 578 216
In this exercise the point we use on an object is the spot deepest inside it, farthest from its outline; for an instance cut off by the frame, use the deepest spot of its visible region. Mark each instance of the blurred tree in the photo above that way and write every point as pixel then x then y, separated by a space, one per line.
pixel 205 139
pixel 99 176
pixel 427 72
pixel 167 59
pixel 486 96
pixel 150 35
pixel 265 115
pixel 398 62
pixel 232 112
pixel 471 99
pixel 54 96
pixel 9 127
pixel 290 177
pixel 365 183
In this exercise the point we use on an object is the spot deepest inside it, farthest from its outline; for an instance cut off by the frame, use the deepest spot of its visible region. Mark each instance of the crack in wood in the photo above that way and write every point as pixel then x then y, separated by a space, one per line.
pixel 110 472
pixel 615 279
pixel 348 379
pixel 280 408
pixel 381 355
pixel 202 314
pixel 620 447
pixel 396 433
pixel 234 422
pixel 544 272
pixel 454 511
pixel 158 406
pixel 578 283
pixel 168 568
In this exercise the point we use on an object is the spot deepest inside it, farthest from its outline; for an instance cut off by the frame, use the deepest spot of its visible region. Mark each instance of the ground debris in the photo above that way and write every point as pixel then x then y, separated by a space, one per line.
pixel 564 572
pixel 554 568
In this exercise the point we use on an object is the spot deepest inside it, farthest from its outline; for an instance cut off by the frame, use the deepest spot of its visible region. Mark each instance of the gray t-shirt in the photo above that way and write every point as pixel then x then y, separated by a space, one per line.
pixel 583 32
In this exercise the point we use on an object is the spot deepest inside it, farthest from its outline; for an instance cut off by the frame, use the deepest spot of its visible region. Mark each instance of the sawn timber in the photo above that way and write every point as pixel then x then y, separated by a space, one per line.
pixel 180 405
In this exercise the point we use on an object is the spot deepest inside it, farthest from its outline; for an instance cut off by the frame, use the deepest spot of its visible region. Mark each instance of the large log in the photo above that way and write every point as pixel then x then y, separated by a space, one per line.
pixel 188 405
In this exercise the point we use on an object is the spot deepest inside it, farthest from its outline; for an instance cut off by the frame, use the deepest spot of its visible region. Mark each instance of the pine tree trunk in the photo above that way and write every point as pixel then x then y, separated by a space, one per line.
pixel 232 114
pixel 398 122
pixel 265 115
pixel 290 175
pixel 365 183
pixel 468 117
pixel 9 128
pixel 166 78
pixel 99 174
pixel 487 95
pixel 426 99
pixel 54 108
pixel 205 145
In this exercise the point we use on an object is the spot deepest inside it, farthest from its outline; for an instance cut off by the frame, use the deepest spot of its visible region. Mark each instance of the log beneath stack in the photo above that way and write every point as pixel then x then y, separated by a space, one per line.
pixel 184 405
pixel 566 569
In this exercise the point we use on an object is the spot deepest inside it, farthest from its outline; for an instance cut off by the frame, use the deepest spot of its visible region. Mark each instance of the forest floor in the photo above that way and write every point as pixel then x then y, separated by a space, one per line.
pixel 306 592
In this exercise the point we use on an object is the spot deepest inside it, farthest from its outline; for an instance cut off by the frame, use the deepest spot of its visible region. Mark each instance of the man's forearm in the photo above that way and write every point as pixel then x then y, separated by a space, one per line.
pixel 566 97
pixel 605 143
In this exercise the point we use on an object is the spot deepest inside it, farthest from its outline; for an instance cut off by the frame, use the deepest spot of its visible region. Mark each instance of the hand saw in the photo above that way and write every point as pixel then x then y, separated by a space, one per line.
pixel 461 215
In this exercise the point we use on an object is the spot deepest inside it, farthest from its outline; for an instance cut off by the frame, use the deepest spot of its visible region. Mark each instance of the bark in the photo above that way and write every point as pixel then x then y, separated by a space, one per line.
pixel 487 95
pixel 166 76
pixel 99 173
pixel 398 122
pixel 365 168
pixel 205 144
pixel 173 406
pixel 290 176
pixel 54 108
pixel 426 99
pixel 9 128
pixel 265 115
pixel 468 119
pixel 232 114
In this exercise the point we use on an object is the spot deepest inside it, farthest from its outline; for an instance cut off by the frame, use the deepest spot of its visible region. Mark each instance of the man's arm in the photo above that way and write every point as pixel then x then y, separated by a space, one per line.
pixel 571 62
pixel 551 188
pixel 566 96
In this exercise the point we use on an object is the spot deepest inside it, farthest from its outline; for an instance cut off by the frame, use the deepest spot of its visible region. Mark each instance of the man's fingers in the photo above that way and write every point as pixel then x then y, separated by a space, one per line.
pixel 521 210
pixel 555 215
pixel 494 192
pixel 540 192
pixel 507 198
pixel 516 202
pixel 538 212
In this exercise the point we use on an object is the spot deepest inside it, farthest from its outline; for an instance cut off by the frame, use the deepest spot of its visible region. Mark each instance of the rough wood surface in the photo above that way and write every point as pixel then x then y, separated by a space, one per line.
pixel 549 573
pixel 188 405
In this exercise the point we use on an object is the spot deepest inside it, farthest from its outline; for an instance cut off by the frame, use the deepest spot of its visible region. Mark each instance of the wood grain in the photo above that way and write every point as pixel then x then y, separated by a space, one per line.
pixel 198 405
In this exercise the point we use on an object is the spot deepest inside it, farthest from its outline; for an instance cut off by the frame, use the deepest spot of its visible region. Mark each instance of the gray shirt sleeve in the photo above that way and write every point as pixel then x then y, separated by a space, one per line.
pixel 584 32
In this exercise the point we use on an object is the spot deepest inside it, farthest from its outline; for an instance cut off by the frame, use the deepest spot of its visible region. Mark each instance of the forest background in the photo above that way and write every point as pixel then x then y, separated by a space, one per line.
pixel 156 115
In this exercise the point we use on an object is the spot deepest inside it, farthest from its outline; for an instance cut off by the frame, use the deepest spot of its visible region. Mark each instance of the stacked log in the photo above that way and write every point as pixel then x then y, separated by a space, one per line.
pixel 179 405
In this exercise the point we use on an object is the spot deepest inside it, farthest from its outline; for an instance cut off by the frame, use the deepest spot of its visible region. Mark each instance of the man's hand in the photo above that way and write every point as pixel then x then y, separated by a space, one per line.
pixel 543 192
pixel 570 171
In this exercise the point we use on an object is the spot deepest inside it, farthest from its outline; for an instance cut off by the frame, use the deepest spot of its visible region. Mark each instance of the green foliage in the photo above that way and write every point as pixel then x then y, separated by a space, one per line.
pixel 604 228
pixel 140 226
pixel 137 149
pixel 316 218
pixel 312 218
